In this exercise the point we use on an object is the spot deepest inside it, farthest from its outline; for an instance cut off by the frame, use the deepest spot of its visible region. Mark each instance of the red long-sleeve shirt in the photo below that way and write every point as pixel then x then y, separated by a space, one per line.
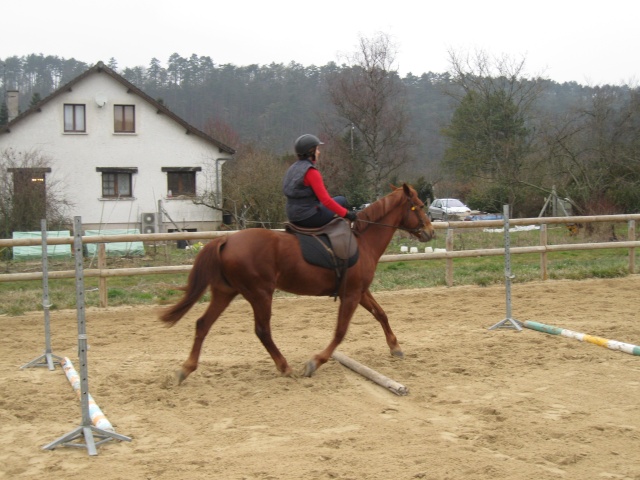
pixel 313 179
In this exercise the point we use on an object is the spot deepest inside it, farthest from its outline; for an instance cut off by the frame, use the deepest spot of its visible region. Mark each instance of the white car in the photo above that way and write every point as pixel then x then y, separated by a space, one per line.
pixel 448 209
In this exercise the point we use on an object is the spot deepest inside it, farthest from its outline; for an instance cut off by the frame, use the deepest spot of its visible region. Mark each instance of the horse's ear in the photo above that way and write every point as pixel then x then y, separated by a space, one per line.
pixel 407 190
pixel 393 187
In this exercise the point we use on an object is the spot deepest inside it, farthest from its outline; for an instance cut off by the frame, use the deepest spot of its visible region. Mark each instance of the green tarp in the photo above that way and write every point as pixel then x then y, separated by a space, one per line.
pixel 116 248
pixel 35 251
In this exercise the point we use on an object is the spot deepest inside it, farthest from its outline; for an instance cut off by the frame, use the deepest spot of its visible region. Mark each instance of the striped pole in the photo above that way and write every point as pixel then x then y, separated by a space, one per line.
pixel 97 417
pixel 583 337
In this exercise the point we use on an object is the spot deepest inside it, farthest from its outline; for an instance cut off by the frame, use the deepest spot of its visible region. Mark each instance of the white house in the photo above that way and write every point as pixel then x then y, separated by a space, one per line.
pixel 120 156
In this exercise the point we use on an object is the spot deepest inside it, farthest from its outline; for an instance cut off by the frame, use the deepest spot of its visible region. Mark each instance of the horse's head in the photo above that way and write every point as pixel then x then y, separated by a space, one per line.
pixel 401 209
pixel 414 220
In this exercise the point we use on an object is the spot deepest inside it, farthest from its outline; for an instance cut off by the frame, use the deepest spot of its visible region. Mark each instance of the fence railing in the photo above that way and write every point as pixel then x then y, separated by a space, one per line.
pixel 102 272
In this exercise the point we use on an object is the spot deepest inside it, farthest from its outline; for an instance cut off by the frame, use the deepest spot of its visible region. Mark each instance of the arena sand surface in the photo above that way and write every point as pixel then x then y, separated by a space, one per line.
pixel 482 404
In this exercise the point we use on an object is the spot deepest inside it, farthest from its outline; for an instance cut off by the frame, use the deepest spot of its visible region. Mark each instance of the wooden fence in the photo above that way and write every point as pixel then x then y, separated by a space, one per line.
pixel 102 272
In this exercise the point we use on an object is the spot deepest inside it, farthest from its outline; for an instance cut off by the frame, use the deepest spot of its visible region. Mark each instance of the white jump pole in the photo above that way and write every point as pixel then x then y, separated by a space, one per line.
pixel 86 430
pixel 372 375
pixel 47 358
pixel 507 322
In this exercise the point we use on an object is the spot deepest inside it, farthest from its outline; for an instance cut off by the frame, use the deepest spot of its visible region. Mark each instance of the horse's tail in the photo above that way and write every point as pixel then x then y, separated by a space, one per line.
pixel 206 271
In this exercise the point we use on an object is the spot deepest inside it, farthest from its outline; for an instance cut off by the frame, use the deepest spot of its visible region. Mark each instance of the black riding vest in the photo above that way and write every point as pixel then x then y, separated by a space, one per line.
pixel 302 203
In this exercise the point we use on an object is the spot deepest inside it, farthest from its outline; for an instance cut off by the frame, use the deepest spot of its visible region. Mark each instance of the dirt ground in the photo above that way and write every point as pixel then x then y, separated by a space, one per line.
pixel 482 404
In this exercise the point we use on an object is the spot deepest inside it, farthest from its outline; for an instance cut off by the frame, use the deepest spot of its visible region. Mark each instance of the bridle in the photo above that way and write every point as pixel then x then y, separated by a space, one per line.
pixel 412 207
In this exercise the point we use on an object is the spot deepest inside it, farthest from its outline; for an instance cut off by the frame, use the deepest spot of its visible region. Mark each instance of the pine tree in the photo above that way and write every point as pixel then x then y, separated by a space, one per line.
pixel 35 99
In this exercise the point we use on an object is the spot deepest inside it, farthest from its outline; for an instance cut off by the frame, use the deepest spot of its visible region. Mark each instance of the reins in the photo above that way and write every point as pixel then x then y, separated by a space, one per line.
pixel 415 230
pixel 405 229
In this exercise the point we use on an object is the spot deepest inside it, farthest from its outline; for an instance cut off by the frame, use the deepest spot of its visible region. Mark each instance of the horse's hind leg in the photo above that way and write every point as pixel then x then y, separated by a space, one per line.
pixel 370 304
pixel 261 303
pixel 219 302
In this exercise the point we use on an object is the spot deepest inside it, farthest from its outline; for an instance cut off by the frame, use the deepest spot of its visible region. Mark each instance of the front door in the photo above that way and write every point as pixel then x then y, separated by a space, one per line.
pixel 29 198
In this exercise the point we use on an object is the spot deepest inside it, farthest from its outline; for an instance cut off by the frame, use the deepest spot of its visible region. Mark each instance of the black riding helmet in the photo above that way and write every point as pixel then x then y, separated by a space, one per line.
pixel 306 144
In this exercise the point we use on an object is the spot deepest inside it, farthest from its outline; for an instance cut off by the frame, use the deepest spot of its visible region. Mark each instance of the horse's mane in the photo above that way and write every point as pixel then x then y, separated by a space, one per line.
pixel 375 211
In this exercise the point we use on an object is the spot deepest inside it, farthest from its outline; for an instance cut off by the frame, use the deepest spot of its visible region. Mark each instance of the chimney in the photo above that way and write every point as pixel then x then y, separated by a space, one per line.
pixel 12 104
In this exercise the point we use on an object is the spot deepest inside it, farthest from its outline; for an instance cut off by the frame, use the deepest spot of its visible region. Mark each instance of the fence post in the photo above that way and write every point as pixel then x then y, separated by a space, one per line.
pixel 543 256
pixel 632 250
pixel 449 247
pixel 102 281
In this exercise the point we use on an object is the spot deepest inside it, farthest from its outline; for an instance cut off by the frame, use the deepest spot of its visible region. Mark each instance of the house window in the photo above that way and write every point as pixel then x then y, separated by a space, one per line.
pixel 74 118
pixel 124 118
pixel 181 180
pixel 116 182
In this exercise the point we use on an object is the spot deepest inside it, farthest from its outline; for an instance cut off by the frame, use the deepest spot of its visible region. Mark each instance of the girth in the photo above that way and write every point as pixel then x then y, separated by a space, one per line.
pixel 332 246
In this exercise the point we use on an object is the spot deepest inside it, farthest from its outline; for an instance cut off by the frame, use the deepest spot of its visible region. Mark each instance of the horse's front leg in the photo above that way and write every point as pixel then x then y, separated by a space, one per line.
pixel 348 305
pixel 369 303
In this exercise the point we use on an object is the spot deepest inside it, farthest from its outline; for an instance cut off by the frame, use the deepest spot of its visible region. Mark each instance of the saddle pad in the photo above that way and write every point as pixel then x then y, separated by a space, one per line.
pixel 317 254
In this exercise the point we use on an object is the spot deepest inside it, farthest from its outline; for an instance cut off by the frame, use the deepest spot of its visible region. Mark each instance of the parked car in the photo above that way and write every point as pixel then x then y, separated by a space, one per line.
pixel 448 209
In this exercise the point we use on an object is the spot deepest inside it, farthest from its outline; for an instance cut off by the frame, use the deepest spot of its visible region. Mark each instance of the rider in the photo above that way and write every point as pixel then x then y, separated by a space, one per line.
pixel 308 202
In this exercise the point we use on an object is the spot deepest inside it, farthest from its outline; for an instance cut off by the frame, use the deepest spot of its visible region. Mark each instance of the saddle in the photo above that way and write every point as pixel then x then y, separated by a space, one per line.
pixel 332 246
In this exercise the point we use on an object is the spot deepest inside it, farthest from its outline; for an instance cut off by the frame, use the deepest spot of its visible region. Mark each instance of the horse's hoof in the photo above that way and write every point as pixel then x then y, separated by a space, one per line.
pixel 169 381
pixel 309 368
pixel 180 377
pixel 398 354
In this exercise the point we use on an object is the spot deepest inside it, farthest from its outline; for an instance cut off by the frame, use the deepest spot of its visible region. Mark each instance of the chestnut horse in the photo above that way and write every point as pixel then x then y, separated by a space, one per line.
pixel 256 262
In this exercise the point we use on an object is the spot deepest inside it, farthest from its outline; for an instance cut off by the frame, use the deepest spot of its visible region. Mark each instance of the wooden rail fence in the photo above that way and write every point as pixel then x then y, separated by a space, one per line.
pixel 102 272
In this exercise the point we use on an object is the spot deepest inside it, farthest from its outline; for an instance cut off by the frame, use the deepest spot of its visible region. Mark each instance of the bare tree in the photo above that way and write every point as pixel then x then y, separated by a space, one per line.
pixel 252 189
pixel 222 131
pixel 593 151
pixel 28 194
pixel 369 98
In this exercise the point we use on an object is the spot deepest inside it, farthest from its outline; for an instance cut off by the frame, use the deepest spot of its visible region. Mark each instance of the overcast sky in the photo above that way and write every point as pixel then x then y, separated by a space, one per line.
pixel 564 40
